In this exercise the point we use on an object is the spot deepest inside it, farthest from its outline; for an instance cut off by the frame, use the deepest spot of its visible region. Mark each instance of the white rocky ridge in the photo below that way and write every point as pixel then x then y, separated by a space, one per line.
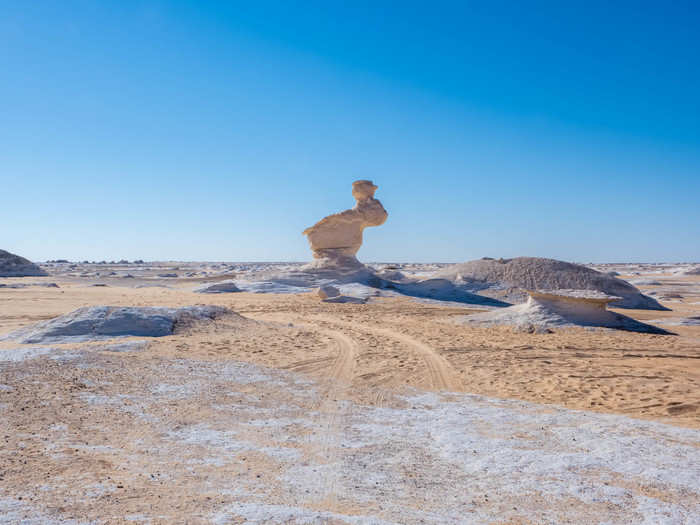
pixel 12 265
pixel 509 280
pixel 104 322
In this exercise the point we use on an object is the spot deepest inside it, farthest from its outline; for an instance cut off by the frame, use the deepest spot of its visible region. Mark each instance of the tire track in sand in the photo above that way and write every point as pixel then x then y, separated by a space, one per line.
pixel 442 375
pixel 331 409
pixel 343 366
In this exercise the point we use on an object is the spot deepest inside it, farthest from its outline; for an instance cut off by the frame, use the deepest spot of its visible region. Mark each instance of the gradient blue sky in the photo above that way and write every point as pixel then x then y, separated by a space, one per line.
pixel 219 131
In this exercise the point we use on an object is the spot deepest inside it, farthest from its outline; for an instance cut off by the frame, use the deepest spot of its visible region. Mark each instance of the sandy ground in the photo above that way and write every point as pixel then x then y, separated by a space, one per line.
pixel 267 420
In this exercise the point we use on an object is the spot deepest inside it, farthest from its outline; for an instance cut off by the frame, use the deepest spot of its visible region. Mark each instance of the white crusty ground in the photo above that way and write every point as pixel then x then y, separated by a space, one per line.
pixel 429 458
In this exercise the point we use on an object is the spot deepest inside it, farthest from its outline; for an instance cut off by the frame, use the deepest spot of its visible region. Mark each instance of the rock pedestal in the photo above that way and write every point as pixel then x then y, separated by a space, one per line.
pixel 335 239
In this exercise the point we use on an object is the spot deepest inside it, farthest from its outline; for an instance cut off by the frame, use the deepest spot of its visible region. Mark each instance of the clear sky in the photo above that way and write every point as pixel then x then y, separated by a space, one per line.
pixel 219 131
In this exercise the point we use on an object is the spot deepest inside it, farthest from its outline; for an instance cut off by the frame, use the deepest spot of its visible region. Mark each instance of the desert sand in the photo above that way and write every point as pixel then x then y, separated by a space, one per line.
pixel 296 410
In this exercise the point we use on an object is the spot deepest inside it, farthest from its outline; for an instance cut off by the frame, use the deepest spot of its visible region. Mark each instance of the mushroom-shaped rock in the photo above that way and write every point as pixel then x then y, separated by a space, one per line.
pixel 585 307
pixel 335 239
pixel 550 308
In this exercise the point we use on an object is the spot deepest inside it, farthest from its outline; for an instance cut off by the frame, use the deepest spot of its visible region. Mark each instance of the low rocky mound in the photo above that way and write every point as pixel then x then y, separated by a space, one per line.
pixel 560 308
pixel 508 280
pixel 12 265
pixel 220 287
pixel 693 271
pixel 103 322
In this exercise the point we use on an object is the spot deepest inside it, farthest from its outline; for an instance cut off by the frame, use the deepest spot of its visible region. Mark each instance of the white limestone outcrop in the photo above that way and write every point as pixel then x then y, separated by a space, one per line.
pixel 103 322
pixel 335 239
pixel 509 280
pixel 560 308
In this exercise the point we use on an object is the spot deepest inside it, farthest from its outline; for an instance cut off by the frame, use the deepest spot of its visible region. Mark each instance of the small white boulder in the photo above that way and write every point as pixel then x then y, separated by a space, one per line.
pixel 327 291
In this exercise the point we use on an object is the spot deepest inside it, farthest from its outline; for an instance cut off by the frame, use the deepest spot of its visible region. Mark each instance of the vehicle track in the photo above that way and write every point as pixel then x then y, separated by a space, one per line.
pixel 442 375
pixel 331 409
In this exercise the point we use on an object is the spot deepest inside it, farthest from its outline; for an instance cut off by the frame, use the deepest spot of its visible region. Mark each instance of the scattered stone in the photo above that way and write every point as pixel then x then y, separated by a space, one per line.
pixel 167 275
pixel 327 291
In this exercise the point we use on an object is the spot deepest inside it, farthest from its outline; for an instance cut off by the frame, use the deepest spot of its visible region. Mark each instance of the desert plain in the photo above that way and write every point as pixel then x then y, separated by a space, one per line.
pixel 289 409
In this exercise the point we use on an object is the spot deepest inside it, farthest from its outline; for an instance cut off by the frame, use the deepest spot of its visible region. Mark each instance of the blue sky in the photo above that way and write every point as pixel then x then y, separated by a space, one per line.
pixel 219 131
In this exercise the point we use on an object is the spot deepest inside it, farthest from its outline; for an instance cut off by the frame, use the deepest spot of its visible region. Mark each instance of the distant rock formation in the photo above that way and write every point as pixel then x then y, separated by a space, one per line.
pixel 335 239
pixel 12 265
pixel 547 309
pixel 509 280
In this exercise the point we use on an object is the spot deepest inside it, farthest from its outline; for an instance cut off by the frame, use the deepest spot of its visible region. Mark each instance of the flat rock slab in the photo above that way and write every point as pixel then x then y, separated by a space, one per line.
pixel 103 322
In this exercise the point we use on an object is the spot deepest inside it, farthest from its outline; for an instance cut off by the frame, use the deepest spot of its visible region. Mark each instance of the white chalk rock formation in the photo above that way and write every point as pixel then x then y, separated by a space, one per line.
pixel 104 322
pixel 12 265
pixel 584 307
pixel 509 280
pixel 335 239
pixel 558 308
